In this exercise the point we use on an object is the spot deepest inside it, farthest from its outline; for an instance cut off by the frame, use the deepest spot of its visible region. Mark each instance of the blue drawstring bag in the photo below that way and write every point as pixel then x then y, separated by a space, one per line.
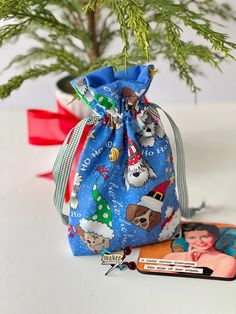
pixel 124 187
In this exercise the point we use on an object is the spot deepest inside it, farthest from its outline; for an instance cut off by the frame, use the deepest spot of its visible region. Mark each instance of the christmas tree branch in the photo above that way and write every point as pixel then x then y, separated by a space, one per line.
pixel 63 58
pixel 73 42
pixel 130 17
pixel 16 81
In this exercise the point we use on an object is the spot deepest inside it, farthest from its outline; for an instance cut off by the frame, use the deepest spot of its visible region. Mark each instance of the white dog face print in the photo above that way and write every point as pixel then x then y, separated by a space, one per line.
pixel 138 171
pixel 150 130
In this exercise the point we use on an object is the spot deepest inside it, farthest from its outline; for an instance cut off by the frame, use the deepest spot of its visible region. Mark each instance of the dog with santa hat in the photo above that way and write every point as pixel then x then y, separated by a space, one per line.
pixel 148 212
pixel 138 171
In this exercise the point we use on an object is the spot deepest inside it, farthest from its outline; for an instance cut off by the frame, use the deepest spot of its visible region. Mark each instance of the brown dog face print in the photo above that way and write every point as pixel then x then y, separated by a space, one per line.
pixel 147 213
pixel 142 216
pixel 95 242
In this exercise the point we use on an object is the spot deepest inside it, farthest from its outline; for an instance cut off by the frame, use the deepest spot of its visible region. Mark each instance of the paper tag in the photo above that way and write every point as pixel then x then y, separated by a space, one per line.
pixel 111 259
pixel 173 269
pixel 165 262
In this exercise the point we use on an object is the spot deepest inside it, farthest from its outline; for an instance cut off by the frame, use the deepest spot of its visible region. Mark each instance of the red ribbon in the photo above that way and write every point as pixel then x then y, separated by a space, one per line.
pixel 51 128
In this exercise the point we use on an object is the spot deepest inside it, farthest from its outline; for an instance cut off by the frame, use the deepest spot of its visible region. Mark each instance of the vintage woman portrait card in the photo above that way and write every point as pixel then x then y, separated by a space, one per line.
pixel 204 250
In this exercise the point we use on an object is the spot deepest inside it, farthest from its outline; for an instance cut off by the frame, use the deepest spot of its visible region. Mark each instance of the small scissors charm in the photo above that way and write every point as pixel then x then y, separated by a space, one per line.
pixel 121 264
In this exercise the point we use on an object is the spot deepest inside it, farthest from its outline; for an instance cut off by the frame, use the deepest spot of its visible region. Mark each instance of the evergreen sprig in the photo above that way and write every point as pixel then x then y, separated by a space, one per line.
pixel 16 81
pixel 72 36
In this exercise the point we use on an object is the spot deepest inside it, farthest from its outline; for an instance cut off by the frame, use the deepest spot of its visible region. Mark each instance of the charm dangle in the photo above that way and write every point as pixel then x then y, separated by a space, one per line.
pixel 117 260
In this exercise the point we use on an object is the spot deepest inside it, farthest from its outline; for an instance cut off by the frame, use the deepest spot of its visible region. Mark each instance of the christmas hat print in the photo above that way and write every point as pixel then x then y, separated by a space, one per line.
pixel 154 199
pixel 134 155
pixel 100 222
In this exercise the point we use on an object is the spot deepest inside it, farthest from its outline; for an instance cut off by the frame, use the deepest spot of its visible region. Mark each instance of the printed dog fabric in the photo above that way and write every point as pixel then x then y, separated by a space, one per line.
pixel 124 187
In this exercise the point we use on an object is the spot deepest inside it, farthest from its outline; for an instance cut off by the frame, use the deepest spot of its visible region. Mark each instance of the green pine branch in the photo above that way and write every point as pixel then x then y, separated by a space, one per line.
pixel 72 36
pixel 16 81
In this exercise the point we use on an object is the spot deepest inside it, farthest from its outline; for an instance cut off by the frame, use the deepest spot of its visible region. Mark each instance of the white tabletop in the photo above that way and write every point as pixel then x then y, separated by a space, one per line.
pixel 38 273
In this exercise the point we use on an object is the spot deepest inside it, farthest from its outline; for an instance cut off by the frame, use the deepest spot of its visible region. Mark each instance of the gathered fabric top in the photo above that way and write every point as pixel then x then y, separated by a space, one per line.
pixel 107 91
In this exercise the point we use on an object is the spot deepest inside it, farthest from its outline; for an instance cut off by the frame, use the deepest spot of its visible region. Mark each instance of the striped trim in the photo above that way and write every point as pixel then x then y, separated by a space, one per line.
pixel 63 163
pixel 64 160
pixel 180 162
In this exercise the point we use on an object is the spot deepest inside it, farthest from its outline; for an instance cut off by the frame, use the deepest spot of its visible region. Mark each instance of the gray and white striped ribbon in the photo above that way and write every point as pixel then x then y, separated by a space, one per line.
pixel 64 160
pixel 62 166
pixel 180 163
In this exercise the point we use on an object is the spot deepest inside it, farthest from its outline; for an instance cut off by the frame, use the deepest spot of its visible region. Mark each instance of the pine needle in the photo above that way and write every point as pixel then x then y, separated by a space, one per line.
pixel 149 29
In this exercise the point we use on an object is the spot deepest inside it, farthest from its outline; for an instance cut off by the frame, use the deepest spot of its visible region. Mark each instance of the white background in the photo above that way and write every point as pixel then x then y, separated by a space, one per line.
pixel 38 273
